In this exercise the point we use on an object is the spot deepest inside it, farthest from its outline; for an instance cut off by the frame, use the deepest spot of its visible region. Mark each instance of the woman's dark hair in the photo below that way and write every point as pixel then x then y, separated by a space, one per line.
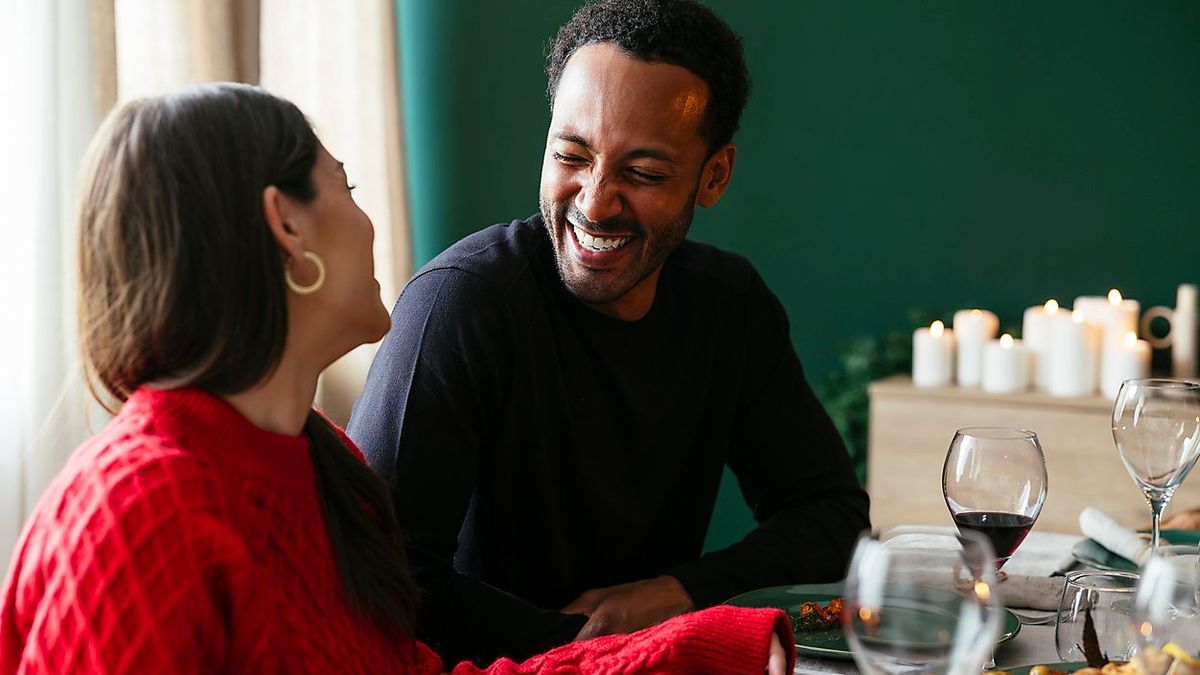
pixel 181 284
pixel 680 32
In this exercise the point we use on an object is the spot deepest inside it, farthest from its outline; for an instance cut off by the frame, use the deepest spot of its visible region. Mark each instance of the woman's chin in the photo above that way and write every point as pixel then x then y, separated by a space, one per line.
pixel 382 324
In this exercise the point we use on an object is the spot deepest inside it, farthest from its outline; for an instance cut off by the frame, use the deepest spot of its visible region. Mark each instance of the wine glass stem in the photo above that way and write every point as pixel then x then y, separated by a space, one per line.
pixel 1156 509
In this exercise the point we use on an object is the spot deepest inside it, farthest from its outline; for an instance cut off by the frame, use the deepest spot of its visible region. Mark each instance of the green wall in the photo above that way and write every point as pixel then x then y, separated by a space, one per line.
pixel 894 155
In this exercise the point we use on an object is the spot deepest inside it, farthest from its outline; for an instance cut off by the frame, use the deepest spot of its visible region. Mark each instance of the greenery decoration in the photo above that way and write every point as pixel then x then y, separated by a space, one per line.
pixel 861 361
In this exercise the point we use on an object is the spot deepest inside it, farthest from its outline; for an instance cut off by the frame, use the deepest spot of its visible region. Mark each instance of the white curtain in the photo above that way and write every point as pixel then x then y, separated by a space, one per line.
pixel 52 67
pixel 337 61
pixel 69 60
pixel 163 45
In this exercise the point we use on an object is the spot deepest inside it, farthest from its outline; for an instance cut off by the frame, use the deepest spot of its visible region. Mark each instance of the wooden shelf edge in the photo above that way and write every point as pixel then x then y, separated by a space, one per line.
pixel 901 386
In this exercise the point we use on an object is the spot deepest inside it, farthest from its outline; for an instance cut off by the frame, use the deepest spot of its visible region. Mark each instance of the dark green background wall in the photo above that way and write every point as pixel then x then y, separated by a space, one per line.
pixel 894 155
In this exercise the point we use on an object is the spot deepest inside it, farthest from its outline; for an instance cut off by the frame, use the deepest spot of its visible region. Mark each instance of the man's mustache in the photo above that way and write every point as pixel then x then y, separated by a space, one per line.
pixel 620 224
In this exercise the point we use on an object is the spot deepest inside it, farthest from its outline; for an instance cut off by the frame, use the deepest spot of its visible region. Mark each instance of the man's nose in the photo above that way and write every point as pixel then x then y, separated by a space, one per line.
pixel 598 199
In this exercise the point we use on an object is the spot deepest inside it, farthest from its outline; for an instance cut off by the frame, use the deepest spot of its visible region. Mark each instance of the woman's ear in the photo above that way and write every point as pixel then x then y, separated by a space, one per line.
pixel 279 210
pixel 716 174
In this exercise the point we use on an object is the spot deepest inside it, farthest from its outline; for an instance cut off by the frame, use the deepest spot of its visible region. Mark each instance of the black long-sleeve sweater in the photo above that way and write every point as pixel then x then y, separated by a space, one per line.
pixel 536 448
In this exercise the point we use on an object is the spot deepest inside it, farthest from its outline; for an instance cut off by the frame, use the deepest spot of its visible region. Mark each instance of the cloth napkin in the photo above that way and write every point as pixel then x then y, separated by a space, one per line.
pixel 1112 535
pixel 1029 584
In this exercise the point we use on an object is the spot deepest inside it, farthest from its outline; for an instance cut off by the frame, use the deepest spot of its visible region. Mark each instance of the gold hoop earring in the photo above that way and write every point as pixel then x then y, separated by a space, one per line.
pixel 314 286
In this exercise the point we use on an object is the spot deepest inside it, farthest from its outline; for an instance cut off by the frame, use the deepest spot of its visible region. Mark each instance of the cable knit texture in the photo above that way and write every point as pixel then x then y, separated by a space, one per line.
pixel 183 538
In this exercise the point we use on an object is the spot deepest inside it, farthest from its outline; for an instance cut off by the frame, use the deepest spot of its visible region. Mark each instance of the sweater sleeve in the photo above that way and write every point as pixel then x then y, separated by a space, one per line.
pixel 125 573
pixel 793 469
pixel 422 422
pixel 721 640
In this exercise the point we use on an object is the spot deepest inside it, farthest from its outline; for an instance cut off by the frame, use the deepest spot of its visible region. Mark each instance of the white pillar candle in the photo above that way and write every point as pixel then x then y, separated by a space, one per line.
pixel 1075 356
pixel 1128 361
pixel 1005 366
pixel 1035 333
pixel 972 328
pixel 1090 307
pixel 1115 315
pixel 1120 318
pixel 1183 333
pixel 933 356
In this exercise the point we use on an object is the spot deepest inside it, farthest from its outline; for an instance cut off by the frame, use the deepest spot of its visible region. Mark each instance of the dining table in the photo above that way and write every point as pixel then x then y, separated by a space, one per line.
pixel 1034 584
pixel 1033 645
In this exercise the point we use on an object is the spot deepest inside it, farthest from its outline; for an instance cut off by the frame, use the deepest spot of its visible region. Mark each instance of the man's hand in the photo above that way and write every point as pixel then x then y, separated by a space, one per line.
pixel 626 608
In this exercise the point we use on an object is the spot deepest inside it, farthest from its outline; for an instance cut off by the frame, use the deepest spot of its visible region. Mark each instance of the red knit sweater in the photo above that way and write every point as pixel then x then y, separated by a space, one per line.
pixel 183 538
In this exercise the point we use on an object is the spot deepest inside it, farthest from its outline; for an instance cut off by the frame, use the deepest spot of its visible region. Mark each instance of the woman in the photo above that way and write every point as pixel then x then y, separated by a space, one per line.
pixel 218 523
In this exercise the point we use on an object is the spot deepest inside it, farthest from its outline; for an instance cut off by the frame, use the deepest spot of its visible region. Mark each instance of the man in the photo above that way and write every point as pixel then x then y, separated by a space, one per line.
pixel 558 396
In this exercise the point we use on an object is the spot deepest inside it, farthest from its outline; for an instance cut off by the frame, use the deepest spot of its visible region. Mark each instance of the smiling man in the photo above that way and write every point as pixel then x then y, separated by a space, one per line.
pixel 558 397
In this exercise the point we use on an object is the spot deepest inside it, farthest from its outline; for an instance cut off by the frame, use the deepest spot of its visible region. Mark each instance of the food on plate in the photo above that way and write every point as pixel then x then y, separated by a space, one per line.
pixel 1171 659
pixel 813 617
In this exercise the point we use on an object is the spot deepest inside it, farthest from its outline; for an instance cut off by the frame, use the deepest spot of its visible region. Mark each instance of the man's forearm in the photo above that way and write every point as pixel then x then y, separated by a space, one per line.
pixel 809 542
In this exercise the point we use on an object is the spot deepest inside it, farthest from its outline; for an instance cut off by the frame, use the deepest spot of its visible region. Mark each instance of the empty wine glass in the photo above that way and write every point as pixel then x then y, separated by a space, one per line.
pixel 905 612
pixel 1166 609
pixel 994 482
pixel 1156 426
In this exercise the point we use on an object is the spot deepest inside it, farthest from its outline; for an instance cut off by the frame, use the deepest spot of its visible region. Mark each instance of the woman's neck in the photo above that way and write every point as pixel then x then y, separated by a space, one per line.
pixel 281 402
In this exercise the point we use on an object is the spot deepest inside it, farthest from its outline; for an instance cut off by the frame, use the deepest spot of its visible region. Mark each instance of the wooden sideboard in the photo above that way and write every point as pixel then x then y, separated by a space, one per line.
pixel 911 429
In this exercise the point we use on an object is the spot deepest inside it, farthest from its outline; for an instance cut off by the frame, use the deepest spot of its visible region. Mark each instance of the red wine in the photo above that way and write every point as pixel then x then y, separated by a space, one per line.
pixel 1006 531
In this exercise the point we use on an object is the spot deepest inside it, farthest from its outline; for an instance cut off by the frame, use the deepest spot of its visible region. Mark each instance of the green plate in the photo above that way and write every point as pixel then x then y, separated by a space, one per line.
pixel 828 643
pixel 1088 552
pixel 1070 667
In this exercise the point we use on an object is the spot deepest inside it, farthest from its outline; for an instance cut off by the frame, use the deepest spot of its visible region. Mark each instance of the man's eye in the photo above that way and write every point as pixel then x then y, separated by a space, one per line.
pixel 568 159
pixel 351 186
pixel 648 178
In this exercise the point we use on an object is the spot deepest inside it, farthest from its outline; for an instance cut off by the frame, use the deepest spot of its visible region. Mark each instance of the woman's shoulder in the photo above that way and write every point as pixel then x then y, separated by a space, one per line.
pixel 131 532
pixel 129 464
pixel 123 487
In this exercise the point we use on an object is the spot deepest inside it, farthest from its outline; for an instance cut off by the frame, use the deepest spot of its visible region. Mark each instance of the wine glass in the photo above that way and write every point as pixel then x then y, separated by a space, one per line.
pixel 1166 609
pixel 905 613
pixel 1156 426
pixel 994 482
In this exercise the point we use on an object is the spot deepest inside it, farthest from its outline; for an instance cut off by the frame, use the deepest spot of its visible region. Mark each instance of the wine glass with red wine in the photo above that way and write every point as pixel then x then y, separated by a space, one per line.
pixel 994 482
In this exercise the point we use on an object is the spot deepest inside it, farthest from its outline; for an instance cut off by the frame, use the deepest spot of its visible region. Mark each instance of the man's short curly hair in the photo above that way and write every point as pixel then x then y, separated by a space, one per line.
pixel 680 32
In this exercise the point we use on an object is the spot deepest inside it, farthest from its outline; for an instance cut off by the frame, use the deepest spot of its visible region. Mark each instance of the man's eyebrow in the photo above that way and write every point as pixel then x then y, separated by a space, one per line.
pixel 572 138
pixel 639 153
pixel 652 153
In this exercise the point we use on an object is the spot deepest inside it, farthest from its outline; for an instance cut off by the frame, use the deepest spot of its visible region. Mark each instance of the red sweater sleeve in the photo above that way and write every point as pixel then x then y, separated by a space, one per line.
pixel 722 640
pixel 127 573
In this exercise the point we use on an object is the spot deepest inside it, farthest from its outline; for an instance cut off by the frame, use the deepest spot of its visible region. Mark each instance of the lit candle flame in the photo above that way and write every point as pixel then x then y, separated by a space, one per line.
pixel 1114 296
pixel 982 590
pixel 1051 306
pixel 936 328
pixel 1006 341
pixel 1147 629
pixel 1131 339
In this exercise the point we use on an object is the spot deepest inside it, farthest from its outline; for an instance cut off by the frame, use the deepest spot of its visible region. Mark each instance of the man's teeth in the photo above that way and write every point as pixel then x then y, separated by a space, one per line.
pixel 598 244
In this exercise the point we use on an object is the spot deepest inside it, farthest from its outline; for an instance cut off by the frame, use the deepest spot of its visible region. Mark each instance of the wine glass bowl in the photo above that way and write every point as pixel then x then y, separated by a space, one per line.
pixel 994 482
pixel 930 610
pixel 1156 427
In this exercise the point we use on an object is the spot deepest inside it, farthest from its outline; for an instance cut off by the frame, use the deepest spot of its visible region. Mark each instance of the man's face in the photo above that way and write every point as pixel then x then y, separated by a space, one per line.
pixel 624 160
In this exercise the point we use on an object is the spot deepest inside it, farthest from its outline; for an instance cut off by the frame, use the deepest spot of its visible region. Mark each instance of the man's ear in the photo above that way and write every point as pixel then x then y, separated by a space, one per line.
pixel 714 178
pixel 279 210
